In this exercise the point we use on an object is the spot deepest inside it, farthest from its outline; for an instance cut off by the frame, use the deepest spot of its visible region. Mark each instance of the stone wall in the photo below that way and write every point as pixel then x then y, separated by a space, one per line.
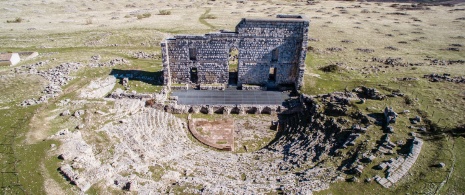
pixel 279 43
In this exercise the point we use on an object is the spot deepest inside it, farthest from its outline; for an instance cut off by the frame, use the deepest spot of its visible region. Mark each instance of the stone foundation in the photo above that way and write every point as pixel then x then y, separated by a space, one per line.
pixel 223 109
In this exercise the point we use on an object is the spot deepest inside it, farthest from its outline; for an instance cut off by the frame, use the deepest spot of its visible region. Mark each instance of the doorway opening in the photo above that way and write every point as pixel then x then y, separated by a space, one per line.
pixel 233 64
pixel 272 75
pixel 192 54
pixel 194 75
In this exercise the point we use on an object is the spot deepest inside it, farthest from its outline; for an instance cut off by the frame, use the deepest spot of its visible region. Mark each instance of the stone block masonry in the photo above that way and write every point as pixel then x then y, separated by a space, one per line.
pixel 271 51
pixel 400 166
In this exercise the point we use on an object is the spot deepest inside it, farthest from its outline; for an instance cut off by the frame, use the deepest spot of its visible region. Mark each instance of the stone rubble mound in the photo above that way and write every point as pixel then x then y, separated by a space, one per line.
pixel 111 63
pixel 369 93
pixel 444 77
pixel 143 55
pixel 57 76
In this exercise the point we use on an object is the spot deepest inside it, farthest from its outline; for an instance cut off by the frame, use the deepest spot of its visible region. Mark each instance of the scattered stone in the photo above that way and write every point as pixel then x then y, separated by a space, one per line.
pixel 125 82
pixel 334 49
pixel 143 55
pixel 65 113
pixel 389 115
pixel 353 179
pixel 444 77
pixel 369 93
pixel 441 165
pixel 96 58
pixel 365 50
pixel 79 113
pixel 391 48
pixel 390 129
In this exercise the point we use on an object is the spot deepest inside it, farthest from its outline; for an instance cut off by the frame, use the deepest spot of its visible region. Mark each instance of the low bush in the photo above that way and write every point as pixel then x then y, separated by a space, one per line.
pixel 330 68
pixel 16 20
pixel 165 12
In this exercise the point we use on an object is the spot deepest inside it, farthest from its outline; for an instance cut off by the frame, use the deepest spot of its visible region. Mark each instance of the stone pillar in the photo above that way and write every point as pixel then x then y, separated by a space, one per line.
pixel 272 110
pixel 241 110
pixel 258 110
pixel 195 109
pixel 210 109
pixel 226 110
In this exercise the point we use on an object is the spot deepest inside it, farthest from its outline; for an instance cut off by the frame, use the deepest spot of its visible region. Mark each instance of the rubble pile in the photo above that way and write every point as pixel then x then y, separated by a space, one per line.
pixel 57 77
pixel 444 77
pixel 111 63
pixel 392 62
pixel 143 55
pixel 337 103
pixel 369 93
pixel 438 62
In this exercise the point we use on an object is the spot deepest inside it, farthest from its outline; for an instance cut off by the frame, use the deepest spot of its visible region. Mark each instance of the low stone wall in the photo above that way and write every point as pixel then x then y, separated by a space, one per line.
pixel 212 87
pixel 223 109
pixel 253 87
pixel 180 87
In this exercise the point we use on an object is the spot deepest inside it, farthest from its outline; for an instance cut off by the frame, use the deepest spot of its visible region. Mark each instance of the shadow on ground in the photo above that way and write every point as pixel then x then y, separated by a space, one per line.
pixel 153 78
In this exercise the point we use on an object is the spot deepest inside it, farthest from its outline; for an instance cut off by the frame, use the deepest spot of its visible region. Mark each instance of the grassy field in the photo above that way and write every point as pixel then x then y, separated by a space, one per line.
pixel 62 32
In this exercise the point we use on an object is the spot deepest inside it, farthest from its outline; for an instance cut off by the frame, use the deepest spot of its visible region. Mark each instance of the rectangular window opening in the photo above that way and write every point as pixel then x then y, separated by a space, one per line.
pixel 272 75
pixel 274 55
pixel 192 54
pixel 194 75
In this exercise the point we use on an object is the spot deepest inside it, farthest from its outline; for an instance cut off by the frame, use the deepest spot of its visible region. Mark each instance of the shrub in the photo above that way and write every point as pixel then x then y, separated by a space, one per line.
pixel 16 20
pixel 145 15
pixel 89 21
pixel 330 68
pixel 165 12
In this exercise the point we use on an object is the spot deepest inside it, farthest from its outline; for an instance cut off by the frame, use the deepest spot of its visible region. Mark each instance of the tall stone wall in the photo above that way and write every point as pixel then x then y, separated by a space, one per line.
pixel 262 43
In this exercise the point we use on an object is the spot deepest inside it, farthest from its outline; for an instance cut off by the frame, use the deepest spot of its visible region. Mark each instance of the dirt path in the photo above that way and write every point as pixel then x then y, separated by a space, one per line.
pixel 451 169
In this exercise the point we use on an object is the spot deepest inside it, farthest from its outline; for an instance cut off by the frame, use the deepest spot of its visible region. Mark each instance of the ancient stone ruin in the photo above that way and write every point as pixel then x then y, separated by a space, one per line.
pixel 263 52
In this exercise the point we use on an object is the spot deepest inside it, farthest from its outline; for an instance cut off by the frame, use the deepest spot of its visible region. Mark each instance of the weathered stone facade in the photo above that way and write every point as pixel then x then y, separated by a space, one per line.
pixel 271 52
